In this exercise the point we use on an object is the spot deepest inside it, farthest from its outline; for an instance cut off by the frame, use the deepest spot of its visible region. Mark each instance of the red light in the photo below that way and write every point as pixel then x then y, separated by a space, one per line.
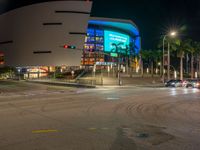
pixel 65 46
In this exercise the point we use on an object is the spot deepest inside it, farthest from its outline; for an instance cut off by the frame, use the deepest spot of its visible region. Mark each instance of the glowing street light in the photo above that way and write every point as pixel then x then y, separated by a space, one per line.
pixel 175 74
pixel 173 33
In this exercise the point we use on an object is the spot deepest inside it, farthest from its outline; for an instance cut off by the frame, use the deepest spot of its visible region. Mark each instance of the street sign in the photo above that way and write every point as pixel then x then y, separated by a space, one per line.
pixel 113 54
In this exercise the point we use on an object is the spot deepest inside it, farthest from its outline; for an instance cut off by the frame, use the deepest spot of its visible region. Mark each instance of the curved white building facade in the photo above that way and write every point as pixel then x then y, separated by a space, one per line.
pixel 34 35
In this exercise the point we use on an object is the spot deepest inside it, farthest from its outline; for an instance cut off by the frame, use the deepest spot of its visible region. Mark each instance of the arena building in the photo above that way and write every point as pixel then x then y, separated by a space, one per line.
pixel 108 38
pixel 39 37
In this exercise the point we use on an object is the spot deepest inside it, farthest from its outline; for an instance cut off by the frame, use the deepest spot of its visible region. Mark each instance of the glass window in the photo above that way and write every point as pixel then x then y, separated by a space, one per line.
pixel 99 47
pixel 90 32
pixel 99 32
pixel 99 39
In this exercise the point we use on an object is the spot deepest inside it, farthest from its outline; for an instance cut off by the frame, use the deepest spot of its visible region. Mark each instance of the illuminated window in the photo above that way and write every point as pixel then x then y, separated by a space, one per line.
pixel 94 42
pixel 90 32
pixel 99 32
pixel 99 47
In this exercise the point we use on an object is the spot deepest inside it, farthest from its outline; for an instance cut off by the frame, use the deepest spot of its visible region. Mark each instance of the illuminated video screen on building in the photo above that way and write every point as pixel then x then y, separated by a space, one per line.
pixel 115 39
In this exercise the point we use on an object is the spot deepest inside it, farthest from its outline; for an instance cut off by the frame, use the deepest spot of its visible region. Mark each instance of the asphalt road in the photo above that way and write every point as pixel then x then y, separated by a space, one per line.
pixel 40 117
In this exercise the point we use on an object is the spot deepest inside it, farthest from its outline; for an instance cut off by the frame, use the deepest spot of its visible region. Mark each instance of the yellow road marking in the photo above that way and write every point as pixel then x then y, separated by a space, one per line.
pixel 98 128
pixel 92 128
pixel 104 128
pixel 44 131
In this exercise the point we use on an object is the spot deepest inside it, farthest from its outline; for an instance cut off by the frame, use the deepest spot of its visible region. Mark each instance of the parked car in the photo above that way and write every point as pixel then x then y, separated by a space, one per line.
pixel 185 82
pixel 193 83
pixel 174 83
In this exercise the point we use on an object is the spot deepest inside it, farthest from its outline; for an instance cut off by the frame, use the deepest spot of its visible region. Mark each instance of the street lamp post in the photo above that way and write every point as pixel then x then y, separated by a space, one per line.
pixel 163 57
pixel 168 62
pixel 171 34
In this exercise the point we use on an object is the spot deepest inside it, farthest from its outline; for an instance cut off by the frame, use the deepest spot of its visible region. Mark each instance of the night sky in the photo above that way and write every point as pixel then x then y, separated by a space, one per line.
pixel 153 17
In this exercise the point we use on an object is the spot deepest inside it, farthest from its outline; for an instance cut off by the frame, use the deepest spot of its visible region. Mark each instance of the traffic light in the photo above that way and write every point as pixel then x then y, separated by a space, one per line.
pixel 65 46
pixel 69 46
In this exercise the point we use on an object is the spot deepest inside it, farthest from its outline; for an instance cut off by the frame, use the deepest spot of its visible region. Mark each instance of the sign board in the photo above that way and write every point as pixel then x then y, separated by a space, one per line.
pixel 113 55
pixel 115 39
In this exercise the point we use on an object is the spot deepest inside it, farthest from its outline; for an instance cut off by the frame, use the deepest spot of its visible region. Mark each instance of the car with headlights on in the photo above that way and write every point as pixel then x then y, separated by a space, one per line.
pixel 193 83
pixel 174 83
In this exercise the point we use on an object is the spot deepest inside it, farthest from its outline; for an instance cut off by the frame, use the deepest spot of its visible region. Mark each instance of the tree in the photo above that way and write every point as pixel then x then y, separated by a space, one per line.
pixel 198 58
pixel 193 48
pixel 144 57
pixel 181 48
pixel 158 57
pixel 132 55
pixel 197 51
pixel 149 57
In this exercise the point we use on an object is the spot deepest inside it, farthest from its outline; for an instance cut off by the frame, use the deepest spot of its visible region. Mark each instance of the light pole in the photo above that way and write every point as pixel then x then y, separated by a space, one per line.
pixel 168 61
pixel 171 34
pixel 164 57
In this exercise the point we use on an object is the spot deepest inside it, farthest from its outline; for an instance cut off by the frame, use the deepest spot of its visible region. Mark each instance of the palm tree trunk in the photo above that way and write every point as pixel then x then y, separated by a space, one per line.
pixel 130 66
pixel 181 68
pixel 127 71
pixel 192 65
pixel 199 65
pixel 187 66
pixel 152 69
pixel 142 69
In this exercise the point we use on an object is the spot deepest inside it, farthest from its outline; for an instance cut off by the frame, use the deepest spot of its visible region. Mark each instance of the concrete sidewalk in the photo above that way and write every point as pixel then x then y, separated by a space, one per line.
pixel 107 82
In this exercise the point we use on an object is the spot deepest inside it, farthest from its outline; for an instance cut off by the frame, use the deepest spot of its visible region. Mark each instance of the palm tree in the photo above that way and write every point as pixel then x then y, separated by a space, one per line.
pixel 181 48
pixel 193 48
pixel 197 51
pixel 132 55
pixel 148 56
pixel 152 57
pixel 198 58
pixel 144 57
pixel 158 57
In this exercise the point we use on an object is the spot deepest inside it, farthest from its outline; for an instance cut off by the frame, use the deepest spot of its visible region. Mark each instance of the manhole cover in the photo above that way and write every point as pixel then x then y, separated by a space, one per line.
pixel 142 135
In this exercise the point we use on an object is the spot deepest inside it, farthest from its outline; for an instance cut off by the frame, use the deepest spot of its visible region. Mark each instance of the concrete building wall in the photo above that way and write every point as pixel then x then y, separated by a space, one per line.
pixel 44 27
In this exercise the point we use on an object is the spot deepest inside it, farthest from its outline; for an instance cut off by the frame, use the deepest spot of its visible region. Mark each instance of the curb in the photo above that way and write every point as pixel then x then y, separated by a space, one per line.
pixel 146 86
pixel 63 84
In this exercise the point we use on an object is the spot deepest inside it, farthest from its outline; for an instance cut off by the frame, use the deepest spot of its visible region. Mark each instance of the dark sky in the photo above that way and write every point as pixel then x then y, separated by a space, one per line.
pixel 153 17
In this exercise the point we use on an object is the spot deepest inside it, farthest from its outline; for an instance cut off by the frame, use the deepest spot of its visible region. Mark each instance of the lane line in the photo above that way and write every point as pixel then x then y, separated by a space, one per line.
pixel 104 128
pixel 44 131
pixel 92 128
pixel 112 98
